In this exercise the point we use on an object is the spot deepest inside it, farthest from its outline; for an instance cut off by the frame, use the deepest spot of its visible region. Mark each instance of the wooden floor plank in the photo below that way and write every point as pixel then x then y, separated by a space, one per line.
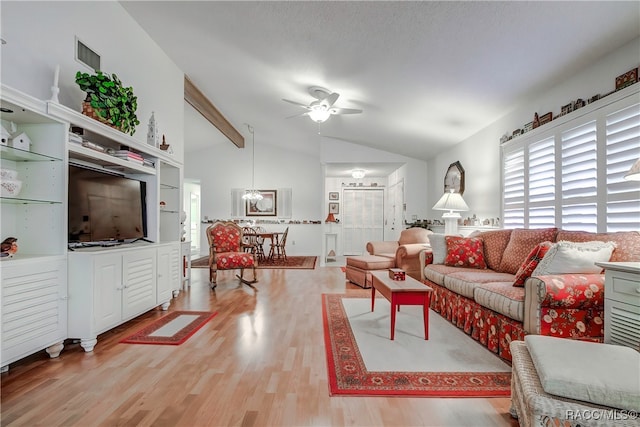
pixel 259 362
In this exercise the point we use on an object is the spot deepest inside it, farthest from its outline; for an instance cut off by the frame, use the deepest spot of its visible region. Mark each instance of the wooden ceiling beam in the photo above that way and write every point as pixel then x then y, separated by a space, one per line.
pixel 201 103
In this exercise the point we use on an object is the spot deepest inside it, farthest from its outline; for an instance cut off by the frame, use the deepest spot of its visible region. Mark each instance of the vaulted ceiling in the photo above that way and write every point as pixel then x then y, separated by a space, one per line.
pixel 427 74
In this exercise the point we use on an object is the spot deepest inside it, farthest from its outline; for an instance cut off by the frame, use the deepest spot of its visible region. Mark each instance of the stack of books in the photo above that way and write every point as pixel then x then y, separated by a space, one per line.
pixel 130 156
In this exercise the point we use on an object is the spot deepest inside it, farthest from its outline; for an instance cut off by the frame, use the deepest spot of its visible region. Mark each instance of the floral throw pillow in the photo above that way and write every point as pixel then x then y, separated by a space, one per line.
pixel 530 263
pixel 465 252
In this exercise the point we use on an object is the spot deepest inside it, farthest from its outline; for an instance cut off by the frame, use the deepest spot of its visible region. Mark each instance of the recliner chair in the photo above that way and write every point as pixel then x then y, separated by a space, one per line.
pixel 406 251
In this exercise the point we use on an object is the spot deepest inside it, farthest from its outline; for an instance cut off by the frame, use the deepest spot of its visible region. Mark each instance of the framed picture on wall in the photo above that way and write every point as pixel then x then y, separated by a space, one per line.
pixel 454 178
pixel 334 208
pixel 267 206
pixel 334 195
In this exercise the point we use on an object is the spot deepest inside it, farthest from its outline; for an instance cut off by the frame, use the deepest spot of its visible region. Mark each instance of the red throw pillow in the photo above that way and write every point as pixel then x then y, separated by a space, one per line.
pixel 530 263
pixel 465 252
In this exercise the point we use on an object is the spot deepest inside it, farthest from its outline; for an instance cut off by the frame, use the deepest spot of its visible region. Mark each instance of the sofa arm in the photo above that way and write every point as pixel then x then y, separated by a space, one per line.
pixel 426 258
pixel 387 247
pixel 408 258
pixel 569 305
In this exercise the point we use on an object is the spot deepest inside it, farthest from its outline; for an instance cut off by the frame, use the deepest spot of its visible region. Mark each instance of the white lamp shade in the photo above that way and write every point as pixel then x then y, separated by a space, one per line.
pixel 452 202
pixel 634 172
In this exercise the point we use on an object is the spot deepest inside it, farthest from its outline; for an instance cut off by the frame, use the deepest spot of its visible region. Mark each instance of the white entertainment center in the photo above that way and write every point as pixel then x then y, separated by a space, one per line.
pixel 49 292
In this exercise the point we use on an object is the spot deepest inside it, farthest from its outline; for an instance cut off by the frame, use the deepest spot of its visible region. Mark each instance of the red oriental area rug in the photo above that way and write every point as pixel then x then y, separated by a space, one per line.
pixel 293 262
pixel 172 329
pixel 349 375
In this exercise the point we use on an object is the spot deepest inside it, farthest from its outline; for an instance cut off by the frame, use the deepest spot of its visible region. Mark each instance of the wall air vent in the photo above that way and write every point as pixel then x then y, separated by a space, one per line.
pixel 87 56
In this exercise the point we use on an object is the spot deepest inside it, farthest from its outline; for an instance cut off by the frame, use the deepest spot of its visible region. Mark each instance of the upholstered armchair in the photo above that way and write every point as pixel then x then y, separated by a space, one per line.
pixel 226 252
pixel 406 251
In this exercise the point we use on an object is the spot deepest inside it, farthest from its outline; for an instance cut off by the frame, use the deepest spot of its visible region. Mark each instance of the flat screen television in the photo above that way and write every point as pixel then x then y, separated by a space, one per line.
pixel 105 207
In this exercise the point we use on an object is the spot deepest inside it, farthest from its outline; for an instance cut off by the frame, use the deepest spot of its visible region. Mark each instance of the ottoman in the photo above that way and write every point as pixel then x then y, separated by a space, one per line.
pixel 533 406
pixel 359 267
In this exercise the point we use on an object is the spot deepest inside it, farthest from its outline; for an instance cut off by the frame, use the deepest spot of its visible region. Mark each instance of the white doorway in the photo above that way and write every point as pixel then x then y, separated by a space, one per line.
pixel 362 218
pixel 192 208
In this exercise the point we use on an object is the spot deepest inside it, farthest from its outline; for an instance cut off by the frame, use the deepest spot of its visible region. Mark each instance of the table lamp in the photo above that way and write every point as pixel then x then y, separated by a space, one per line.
pixel 454 203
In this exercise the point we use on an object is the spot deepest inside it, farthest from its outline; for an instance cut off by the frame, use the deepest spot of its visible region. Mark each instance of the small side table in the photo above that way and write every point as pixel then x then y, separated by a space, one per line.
pixel 622 303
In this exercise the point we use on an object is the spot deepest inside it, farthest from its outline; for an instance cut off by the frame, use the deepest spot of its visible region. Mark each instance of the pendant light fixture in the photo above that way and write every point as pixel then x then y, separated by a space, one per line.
pixel 252 193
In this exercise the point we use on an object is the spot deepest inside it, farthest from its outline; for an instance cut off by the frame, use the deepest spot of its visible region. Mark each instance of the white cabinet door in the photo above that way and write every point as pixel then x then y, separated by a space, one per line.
pixel 107 297
pixel 139 276
pixel 176 267
pixel 168 272
pixel 34 308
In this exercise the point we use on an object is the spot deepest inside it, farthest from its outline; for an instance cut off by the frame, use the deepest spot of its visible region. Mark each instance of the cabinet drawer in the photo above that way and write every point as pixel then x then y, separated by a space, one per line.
pixel 624 287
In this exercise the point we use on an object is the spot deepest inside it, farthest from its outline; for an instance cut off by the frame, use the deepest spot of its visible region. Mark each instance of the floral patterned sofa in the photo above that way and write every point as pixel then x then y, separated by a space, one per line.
pixel 485 303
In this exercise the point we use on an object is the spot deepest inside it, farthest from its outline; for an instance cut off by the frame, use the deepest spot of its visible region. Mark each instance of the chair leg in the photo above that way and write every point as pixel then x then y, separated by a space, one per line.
pixel 243 280
pixel 213 276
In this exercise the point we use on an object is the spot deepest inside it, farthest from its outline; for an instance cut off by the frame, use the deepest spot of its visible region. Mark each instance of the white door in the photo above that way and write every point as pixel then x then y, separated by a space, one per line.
pixel 107 299
pixel 395 211
pixel 164 289
pixel 193 221
pixel 362 219
pixel 139 278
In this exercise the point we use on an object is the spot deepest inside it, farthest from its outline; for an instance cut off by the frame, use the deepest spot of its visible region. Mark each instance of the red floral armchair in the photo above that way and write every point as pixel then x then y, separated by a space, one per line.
pixel 226 252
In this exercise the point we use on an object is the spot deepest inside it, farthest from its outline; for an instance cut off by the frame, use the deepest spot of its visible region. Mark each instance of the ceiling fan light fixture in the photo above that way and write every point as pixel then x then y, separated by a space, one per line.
pixel 319 113
pixel 358 173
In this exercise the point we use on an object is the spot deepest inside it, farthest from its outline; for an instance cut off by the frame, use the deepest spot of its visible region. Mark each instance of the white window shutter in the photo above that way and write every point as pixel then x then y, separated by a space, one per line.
pixel 513 188
pixel 542 183
pixel 579 155
pixel 623 149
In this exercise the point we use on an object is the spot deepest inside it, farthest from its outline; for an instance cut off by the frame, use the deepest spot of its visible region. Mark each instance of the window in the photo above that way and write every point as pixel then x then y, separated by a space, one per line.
pixel 570 175
pixel 579 172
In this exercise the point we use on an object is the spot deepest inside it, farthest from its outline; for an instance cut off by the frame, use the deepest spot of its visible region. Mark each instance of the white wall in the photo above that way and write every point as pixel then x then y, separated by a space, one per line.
pixel 224 166
pixel 480 154
pixel 41 35
pixel 414 172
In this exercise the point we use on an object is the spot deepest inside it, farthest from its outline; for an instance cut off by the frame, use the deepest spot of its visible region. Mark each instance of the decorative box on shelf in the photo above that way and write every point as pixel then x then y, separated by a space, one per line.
pixel 396 274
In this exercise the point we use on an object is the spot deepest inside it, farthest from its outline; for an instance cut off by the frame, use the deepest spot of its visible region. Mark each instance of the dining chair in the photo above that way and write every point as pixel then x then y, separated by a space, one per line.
pixel 260 242
pixel 278 246
pixel 249 240
pixel 226 252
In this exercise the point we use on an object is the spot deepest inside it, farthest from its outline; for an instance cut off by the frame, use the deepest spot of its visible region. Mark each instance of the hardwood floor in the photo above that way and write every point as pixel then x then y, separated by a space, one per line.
pixel 259 362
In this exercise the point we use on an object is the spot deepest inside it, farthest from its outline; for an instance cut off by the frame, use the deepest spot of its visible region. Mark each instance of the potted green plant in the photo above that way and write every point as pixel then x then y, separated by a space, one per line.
pixel 109 101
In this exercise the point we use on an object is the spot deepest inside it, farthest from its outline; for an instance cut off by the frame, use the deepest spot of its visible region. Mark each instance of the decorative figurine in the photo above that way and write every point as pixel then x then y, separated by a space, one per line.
pixel 164 146
pixel 152 131
pixel 5 135
pixel 21 142
pixel 8 247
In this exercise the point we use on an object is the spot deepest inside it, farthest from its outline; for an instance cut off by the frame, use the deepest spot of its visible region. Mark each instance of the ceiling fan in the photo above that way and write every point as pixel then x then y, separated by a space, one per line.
pixel 320 109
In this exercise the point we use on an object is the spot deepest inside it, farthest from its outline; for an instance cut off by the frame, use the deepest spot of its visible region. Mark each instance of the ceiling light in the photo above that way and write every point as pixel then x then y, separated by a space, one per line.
pixel 252 194
pixel 319 113
pixel 358 173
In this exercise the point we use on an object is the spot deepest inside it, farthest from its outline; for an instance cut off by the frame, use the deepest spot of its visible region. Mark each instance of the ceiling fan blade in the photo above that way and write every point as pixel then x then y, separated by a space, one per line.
pixel 296 103
pixel 330 99
pixel 306 113
pixel 345 111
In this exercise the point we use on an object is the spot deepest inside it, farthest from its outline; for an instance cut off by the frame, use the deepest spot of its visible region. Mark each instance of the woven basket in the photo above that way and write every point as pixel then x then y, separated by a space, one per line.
pixel 89 111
